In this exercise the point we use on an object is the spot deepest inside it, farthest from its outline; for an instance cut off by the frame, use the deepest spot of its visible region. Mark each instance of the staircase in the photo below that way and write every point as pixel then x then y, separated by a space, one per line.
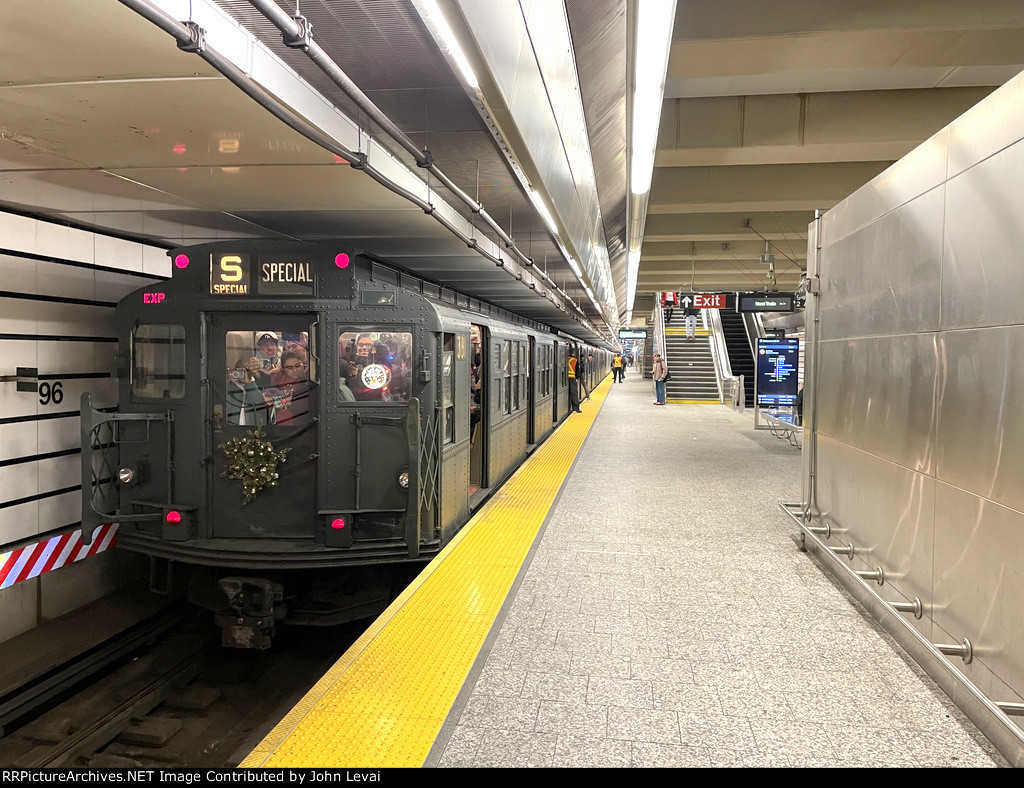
pixel 741 358
pixel 691 365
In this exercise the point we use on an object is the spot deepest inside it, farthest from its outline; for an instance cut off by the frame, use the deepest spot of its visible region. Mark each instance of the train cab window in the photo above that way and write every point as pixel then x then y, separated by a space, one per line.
pixel 375 366
pixel 158 361
pixel 269 377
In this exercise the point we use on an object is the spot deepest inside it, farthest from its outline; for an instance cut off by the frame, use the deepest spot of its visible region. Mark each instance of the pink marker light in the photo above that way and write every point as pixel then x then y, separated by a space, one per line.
pixel 181 261
pixel 342 260
pixel 338 524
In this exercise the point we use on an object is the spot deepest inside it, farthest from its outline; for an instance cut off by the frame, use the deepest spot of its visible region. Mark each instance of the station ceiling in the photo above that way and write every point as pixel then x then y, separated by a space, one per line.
pixel 771 111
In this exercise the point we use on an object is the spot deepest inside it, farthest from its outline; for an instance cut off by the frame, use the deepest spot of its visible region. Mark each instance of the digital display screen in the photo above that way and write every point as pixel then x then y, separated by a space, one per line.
pixel 632 333
pixel 765 302
pixel 778 363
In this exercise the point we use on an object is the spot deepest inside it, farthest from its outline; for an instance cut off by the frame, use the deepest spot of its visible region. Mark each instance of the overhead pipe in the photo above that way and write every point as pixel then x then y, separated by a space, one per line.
pixel 190 38
pixel 297 33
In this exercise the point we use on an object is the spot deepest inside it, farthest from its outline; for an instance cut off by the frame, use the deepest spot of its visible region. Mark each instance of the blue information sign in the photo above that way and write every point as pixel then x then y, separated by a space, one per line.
pixel 777 367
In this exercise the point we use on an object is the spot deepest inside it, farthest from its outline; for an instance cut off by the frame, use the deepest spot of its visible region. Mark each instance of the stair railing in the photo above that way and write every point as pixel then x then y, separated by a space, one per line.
pixel 727 382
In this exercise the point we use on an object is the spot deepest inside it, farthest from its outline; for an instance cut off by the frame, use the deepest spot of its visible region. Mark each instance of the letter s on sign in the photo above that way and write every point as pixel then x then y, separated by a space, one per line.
pixel 230 268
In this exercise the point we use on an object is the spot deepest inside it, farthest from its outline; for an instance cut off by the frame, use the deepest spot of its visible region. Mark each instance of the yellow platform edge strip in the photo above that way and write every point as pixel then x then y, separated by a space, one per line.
pixel 382 704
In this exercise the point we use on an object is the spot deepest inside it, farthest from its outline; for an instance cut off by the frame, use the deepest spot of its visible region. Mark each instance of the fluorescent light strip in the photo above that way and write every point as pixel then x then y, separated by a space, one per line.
pixel 542 209
pixel 448 37
pixel 655 20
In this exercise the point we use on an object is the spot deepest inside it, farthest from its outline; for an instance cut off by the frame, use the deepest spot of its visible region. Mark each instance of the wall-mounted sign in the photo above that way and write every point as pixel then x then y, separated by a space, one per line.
pixel 632 333
pixel 705 301
pixel 777 367
pixel 765 302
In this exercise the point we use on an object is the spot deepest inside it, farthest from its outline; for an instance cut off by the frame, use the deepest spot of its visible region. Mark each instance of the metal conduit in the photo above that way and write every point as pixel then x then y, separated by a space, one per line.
pixel 189 38
pixel 297 34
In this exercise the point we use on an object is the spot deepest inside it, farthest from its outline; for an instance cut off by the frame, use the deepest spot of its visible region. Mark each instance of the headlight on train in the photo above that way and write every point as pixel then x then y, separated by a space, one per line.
pixel 403 479
pixel 126 475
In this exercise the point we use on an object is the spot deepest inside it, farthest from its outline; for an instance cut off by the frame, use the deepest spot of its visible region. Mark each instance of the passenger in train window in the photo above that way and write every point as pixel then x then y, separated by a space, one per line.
pixel 265 362
pixel 475 410
pixel 244 400
pixel 291 390
pixel 344 392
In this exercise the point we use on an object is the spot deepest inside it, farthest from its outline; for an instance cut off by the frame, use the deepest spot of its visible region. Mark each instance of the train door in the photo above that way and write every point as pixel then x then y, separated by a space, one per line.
pixel 262 376
pixel 479 417
pixel 531 392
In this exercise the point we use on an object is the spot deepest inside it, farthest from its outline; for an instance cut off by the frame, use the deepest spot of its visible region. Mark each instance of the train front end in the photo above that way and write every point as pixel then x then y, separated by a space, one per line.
pixel 268 437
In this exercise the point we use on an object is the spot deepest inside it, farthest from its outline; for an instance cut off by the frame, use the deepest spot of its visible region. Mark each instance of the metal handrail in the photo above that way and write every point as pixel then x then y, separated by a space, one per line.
pixel 720 353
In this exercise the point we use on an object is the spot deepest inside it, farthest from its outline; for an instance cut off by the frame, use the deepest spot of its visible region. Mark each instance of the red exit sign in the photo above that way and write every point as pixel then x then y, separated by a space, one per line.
pixel 704 301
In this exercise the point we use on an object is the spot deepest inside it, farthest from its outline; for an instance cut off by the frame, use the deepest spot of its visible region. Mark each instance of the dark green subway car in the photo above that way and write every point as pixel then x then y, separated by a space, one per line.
pixel 295 419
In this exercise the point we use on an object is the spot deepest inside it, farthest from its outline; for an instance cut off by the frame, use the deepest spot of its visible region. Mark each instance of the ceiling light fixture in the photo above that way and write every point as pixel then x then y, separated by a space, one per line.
pixel 542 209
pixel 654 25
pixel 448 37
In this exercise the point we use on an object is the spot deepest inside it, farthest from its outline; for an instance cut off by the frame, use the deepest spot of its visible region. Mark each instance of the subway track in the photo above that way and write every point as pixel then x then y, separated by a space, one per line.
pixel 181 701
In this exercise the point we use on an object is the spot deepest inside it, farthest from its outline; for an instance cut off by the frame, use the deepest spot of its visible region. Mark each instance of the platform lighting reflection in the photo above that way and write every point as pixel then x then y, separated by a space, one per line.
pixel 178 149
pixel 433 12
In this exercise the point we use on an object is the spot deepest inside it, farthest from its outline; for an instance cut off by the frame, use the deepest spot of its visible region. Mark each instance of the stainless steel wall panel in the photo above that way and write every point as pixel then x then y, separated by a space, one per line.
pixel 984 243
pixel 979 578
pixel 886 511
pixel 981 419
pixel 919 171
pixel 987 128
pixel 878 394
pixel 884 278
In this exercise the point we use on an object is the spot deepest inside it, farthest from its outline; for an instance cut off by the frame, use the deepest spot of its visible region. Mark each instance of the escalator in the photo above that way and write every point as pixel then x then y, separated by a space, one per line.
pixel 741 357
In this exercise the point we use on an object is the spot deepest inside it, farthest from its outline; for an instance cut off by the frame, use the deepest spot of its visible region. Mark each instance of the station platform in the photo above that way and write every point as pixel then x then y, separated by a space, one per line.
pixel 633 597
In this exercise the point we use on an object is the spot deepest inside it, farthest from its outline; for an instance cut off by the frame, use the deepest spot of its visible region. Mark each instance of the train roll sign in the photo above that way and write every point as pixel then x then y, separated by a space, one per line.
pixel 232 275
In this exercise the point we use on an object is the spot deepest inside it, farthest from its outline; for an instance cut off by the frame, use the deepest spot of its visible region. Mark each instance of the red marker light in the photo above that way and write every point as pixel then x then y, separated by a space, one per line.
pixel 173 518
pixel 182 261
pixel 342 260
pixel 338 524
pixel 178 149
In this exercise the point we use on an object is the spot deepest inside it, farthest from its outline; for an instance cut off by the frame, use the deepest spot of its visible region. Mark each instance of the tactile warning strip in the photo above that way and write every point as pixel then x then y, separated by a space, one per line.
pixel 383 703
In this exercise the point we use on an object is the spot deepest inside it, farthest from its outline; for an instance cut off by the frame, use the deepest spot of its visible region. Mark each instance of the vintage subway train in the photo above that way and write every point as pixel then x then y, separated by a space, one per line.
pixel 293 420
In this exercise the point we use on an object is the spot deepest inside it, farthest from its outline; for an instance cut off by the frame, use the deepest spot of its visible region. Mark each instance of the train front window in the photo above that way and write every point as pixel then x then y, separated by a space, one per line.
pixel 374 366
pixel 158 361
pixel 269 377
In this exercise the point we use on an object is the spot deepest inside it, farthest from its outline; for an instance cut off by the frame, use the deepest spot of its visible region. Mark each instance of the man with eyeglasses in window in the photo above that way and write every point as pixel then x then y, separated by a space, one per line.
pixel 291 389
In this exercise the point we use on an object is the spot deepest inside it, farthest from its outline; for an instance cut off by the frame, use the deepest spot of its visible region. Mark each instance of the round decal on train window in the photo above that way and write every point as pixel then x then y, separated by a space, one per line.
pixel 376 376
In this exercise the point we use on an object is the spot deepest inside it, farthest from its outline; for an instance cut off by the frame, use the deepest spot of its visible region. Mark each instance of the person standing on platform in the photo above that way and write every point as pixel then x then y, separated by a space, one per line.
pixel 575 369
pixel 658 371
pixel 617 366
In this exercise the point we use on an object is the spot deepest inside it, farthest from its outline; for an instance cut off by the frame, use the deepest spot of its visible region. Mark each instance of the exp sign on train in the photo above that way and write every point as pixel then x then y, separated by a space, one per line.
pixel 238 275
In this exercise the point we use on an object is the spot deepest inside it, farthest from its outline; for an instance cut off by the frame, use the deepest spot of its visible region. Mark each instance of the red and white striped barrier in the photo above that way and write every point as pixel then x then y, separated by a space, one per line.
pixel 45 556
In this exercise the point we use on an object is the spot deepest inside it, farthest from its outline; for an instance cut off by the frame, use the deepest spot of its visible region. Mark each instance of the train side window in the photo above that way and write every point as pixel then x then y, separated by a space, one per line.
pixel 507 364
pixel 158 361
pixel 448 387
pixel 375 366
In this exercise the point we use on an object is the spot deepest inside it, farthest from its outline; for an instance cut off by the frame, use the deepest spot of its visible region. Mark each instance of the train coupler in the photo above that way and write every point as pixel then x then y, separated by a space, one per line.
pixel 247 614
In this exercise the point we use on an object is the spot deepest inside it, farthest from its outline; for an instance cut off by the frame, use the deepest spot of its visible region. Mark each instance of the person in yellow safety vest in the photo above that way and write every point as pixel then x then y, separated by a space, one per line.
pixel 618 368
pixel 574 391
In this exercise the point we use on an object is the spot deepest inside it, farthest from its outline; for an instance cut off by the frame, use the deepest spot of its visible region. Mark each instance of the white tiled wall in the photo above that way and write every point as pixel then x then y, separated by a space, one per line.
pixel 22 239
